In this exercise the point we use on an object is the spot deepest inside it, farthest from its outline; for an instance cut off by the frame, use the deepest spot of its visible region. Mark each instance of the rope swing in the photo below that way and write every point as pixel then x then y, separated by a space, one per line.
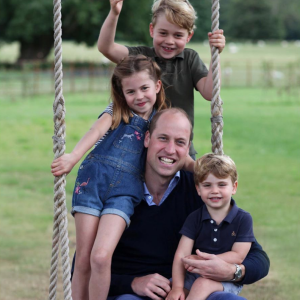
pixel 60 240
pixel 216 102
pixel 60 223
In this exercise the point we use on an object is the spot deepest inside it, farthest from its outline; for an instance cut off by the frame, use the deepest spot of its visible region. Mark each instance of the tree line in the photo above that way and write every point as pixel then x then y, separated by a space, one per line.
pixel 31 22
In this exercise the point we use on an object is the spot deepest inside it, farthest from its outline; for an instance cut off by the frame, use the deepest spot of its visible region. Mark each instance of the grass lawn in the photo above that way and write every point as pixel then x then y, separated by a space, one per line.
pixel 261 133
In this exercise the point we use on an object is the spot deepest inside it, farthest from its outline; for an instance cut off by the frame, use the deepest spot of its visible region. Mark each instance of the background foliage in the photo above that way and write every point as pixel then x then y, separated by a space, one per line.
pixel 30 22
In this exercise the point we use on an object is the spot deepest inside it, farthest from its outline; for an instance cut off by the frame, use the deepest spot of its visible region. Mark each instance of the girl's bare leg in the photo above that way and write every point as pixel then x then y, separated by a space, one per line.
pixel 86 230
pixel 203 287
pixel 110 230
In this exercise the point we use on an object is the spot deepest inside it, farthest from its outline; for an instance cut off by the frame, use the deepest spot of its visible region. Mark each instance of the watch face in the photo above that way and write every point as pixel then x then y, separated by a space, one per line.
pixel 238 272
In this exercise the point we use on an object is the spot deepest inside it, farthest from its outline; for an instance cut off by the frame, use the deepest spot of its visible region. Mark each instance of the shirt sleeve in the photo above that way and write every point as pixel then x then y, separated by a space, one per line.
pixel 147 51
pixel 197 68
pixel 256 263
pixel 189 228
pixel 245 232
pixel 108 110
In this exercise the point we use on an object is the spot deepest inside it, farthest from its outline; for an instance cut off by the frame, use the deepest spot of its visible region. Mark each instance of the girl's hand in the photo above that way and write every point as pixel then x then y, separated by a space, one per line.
pixel 217 39
pixel 176 293
pixel 63 164
pixel 116 6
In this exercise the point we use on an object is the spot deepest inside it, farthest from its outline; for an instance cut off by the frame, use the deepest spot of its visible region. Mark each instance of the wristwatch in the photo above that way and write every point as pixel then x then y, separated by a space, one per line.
pixel 238 273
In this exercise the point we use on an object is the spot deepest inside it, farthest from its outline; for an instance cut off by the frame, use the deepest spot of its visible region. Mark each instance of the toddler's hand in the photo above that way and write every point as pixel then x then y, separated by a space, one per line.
pixel 176 294
pixel 63 164
pixel 116 6
pixel 217 39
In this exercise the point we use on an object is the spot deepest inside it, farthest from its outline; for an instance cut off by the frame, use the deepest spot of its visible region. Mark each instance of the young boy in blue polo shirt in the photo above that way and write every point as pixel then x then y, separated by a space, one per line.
pixel 219 227
pixel 172 27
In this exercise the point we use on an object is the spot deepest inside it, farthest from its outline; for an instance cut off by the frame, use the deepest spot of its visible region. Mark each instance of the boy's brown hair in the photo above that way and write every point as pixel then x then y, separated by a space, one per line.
pixel 221 166
pixel 178 12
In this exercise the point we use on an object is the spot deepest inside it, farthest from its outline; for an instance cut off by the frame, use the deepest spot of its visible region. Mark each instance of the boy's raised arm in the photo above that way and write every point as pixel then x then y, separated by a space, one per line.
pixel 106 41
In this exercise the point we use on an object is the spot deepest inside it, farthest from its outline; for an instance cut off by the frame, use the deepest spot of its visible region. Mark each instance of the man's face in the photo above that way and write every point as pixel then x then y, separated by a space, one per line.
pixel 168 145
pixel 168 39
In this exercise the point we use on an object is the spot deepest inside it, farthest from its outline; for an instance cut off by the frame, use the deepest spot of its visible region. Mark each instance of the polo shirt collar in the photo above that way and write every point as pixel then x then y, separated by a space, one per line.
pixel 229 218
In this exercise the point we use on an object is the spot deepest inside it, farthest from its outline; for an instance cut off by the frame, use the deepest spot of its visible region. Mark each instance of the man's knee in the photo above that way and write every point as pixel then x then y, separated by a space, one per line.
pixel 127 297
pixel 224 296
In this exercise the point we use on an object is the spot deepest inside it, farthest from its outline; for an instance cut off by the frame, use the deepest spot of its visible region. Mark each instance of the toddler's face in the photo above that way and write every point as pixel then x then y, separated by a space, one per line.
pixel 169 39
pixel 216 192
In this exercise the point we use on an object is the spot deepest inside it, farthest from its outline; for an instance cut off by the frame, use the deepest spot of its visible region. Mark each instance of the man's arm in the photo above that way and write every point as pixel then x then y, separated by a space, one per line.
pixel 255 266
pixel 106 41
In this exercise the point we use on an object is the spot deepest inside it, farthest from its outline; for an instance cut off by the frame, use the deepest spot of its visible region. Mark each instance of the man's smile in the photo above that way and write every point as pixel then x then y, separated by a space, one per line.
pixel 166 160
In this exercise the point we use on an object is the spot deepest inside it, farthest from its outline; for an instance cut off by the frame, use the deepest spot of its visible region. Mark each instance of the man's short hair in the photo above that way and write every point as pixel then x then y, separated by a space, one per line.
pixel 178 12
pixel 221 166
pixel 173 110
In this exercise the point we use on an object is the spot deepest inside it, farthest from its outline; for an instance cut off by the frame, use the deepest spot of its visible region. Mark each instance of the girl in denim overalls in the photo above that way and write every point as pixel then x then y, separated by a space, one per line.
pixel 109 182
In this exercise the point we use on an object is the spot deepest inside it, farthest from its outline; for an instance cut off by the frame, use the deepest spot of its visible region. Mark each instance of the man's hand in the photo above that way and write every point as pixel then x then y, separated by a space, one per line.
pixel 217 39
pixel 210 266
pixel 153 286
pixel 116 6
pixel 176 294
pixel 194 257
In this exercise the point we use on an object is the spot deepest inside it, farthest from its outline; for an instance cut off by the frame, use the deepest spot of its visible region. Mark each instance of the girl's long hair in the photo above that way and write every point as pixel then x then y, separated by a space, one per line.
pixel 126 68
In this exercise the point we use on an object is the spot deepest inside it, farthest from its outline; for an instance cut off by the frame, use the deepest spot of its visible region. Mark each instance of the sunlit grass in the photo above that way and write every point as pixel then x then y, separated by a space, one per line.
pixel 261 133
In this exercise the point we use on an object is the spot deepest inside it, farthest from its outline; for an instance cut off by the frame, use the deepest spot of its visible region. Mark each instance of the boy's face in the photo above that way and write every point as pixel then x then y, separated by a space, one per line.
pixel 216 192
pixel 168 39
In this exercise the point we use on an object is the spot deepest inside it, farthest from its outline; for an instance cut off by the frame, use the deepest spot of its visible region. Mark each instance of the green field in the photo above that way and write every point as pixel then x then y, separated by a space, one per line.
pixel 261 133
pixel 244 65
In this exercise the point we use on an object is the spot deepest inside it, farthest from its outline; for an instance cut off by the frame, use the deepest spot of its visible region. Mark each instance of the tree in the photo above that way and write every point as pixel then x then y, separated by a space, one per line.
pixel 252 20
pixel 203 22
pixel 31 23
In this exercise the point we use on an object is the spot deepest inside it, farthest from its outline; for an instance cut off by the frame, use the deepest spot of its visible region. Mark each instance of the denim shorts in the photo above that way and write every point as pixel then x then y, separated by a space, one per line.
pixel 100 187
pixel 228 287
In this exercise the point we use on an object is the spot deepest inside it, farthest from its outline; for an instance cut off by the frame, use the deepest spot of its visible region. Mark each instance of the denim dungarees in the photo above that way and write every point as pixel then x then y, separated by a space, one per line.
pixel 109 180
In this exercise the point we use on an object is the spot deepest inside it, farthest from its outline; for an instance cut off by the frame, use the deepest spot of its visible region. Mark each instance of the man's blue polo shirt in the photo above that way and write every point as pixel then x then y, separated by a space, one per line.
pixel 216 239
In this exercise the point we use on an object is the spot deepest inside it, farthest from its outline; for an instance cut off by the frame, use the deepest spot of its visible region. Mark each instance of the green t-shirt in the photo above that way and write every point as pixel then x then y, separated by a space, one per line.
pixel 179 76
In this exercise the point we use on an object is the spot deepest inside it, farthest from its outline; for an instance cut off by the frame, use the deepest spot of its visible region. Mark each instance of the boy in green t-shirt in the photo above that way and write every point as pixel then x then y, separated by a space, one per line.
pixel 172 27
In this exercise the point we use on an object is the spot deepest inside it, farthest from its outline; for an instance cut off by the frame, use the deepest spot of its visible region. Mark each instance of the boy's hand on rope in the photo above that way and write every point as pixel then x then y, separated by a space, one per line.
pixel 217 39
pixel 63 164
pixel 116 6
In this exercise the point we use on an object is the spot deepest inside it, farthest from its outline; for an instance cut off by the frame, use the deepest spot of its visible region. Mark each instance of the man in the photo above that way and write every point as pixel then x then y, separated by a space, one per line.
pixel 142 262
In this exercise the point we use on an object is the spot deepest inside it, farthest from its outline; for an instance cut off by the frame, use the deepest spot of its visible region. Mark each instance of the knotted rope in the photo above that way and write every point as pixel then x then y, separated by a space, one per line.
pixel 60 222
pixel 216 102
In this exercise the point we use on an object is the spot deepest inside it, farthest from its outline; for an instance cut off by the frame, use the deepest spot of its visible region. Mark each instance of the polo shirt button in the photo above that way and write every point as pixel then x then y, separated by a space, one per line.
pixel 211 221
pixel 215 239
pixel 215 229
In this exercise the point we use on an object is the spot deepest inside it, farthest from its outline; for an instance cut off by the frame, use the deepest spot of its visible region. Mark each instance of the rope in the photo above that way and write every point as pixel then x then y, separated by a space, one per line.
pixel 216 102
pixel 60 222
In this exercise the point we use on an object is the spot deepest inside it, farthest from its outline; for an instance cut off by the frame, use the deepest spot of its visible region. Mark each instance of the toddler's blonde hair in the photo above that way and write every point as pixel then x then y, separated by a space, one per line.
pixel 221 166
